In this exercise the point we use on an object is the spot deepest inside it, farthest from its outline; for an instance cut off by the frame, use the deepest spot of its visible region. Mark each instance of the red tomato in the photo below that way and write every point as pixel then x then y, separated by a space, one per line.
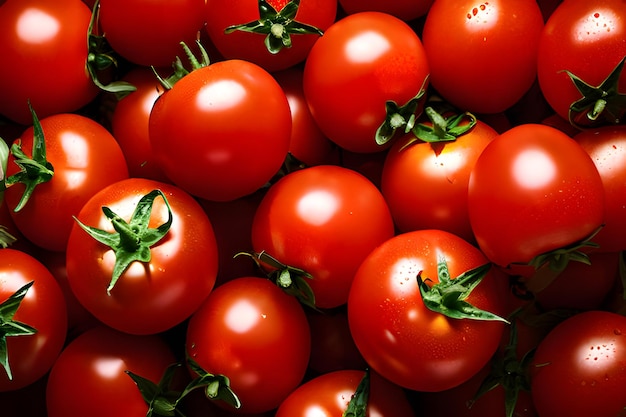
pixel 425 184
pixel 402 9
pixel 586 38
pixel 400 337
pixel 85 158
pixel 29 356
pixel 482 55
pixel 210 136
pixel 363 61
pixel 256 335
pixel 325 220
pixel 578 369
pixel 46 45
pixel 330 393
pixel 533 190
pixel 150 32
pixel 163 289
pixel 250 46
pixel 96 362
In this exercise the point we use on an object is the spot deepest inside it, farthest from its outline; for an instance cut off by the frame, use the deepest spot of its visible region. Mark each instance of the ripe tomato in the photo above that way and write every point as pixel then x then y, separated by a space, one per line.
pixel 586 38
pixel 210 136
pixel 325 220
pixel 482 55
pixel 329 394
pixel 425 184
pixel 578 369
pixel 399 336
pixel 363 61
pixel 163 289
pixel 46 45
pixel 250 46
pixel 149 32
pixel 533 190
pixel 403 9
pixel 249 330
pixel 96 362
pixel 85 158
pixel 29 356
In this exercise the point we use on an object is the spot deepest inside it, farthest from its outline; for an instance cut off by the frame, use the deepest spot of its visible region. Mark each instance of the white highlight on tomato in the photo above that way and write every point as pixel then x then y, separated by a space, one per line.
pixel 317 207
pixel 109 367
pixel 533 169
pixel 37 26
pixel 242 316
pixel 595 26
pixel 220 95
pixel 367 47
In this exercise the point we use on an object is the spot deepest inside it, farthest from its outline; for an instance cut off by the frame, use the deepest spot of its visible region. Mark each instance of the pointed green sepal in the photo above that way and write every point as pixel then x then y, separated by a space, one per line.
pixel 131 241
pixel 160 398
pixel 216 387
pixel 357 407
pixel 443 128
pixel 179 70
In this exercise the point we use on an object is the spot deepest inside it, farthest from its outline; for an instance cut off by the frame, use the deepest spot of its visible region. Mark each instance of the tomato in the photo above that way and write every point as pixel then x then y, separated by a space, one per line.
pixel 325 220
pixel 130 124
pixel 149 32
pixel 209 135
pixel 29 356
pixel 46 46
pixel 585 38
pixel 607 148
pixel 425 184
pixel 533 190
pixel 482 55
pixel 330 393
pixel 403 9
pixel 363 61
pixel 153 293
pixel 401 338
pixel 579 367
pixel 250 46
pixel 95 363
pixel 249 330
pixel 85 158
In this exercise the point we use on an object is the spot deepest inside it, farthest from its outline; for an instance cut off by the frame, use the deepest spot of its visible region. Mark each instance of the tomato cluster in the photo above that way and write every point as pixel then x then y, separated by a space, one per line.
pixel 313 208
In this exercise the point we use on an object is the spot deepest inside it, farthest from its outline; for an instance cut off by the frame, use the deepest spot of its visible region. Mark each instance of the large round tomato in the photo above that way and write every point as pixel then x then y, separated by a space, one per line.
pixel 44 50
pixel 533 190
pixel 222 131
pixel 586 38
pixel 85 158
pixel 578 369
pixel 29 356
pixel 168 280
pixel 398 335
pixel 325 220
pixel 253 333
pixel 95 363
pixel 363 61
pixel 482 54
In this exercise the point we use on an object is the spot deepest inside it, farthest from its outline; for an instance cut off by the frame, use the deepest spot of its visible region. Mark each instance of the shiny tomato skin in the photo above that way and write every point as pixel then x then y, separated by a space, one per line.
pixel 149 32
pixel 30 357
pixel 398 336
pixel 325 220
pixel 85 158
pixel 46 46
pixel 362 61
pixel 153 297
pixel 222 131
pixel 329 394
pixel 96 362
pixel 496 41
pixel 249 330
pixel 425 185
pixel 579 367
pixel 533 190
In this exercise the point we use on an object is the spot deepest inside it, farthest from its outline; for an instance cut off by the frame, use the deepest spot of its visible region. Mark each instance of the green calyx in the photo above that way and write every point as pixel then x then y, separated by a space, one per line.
pixel 131 241
pixel 179 69
pixel 277 25
pixel 10 327
pixel 288 278
pixel 448 296
pixel 216 387
pixel 357 407
pixel 34 170
pixel 599 105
